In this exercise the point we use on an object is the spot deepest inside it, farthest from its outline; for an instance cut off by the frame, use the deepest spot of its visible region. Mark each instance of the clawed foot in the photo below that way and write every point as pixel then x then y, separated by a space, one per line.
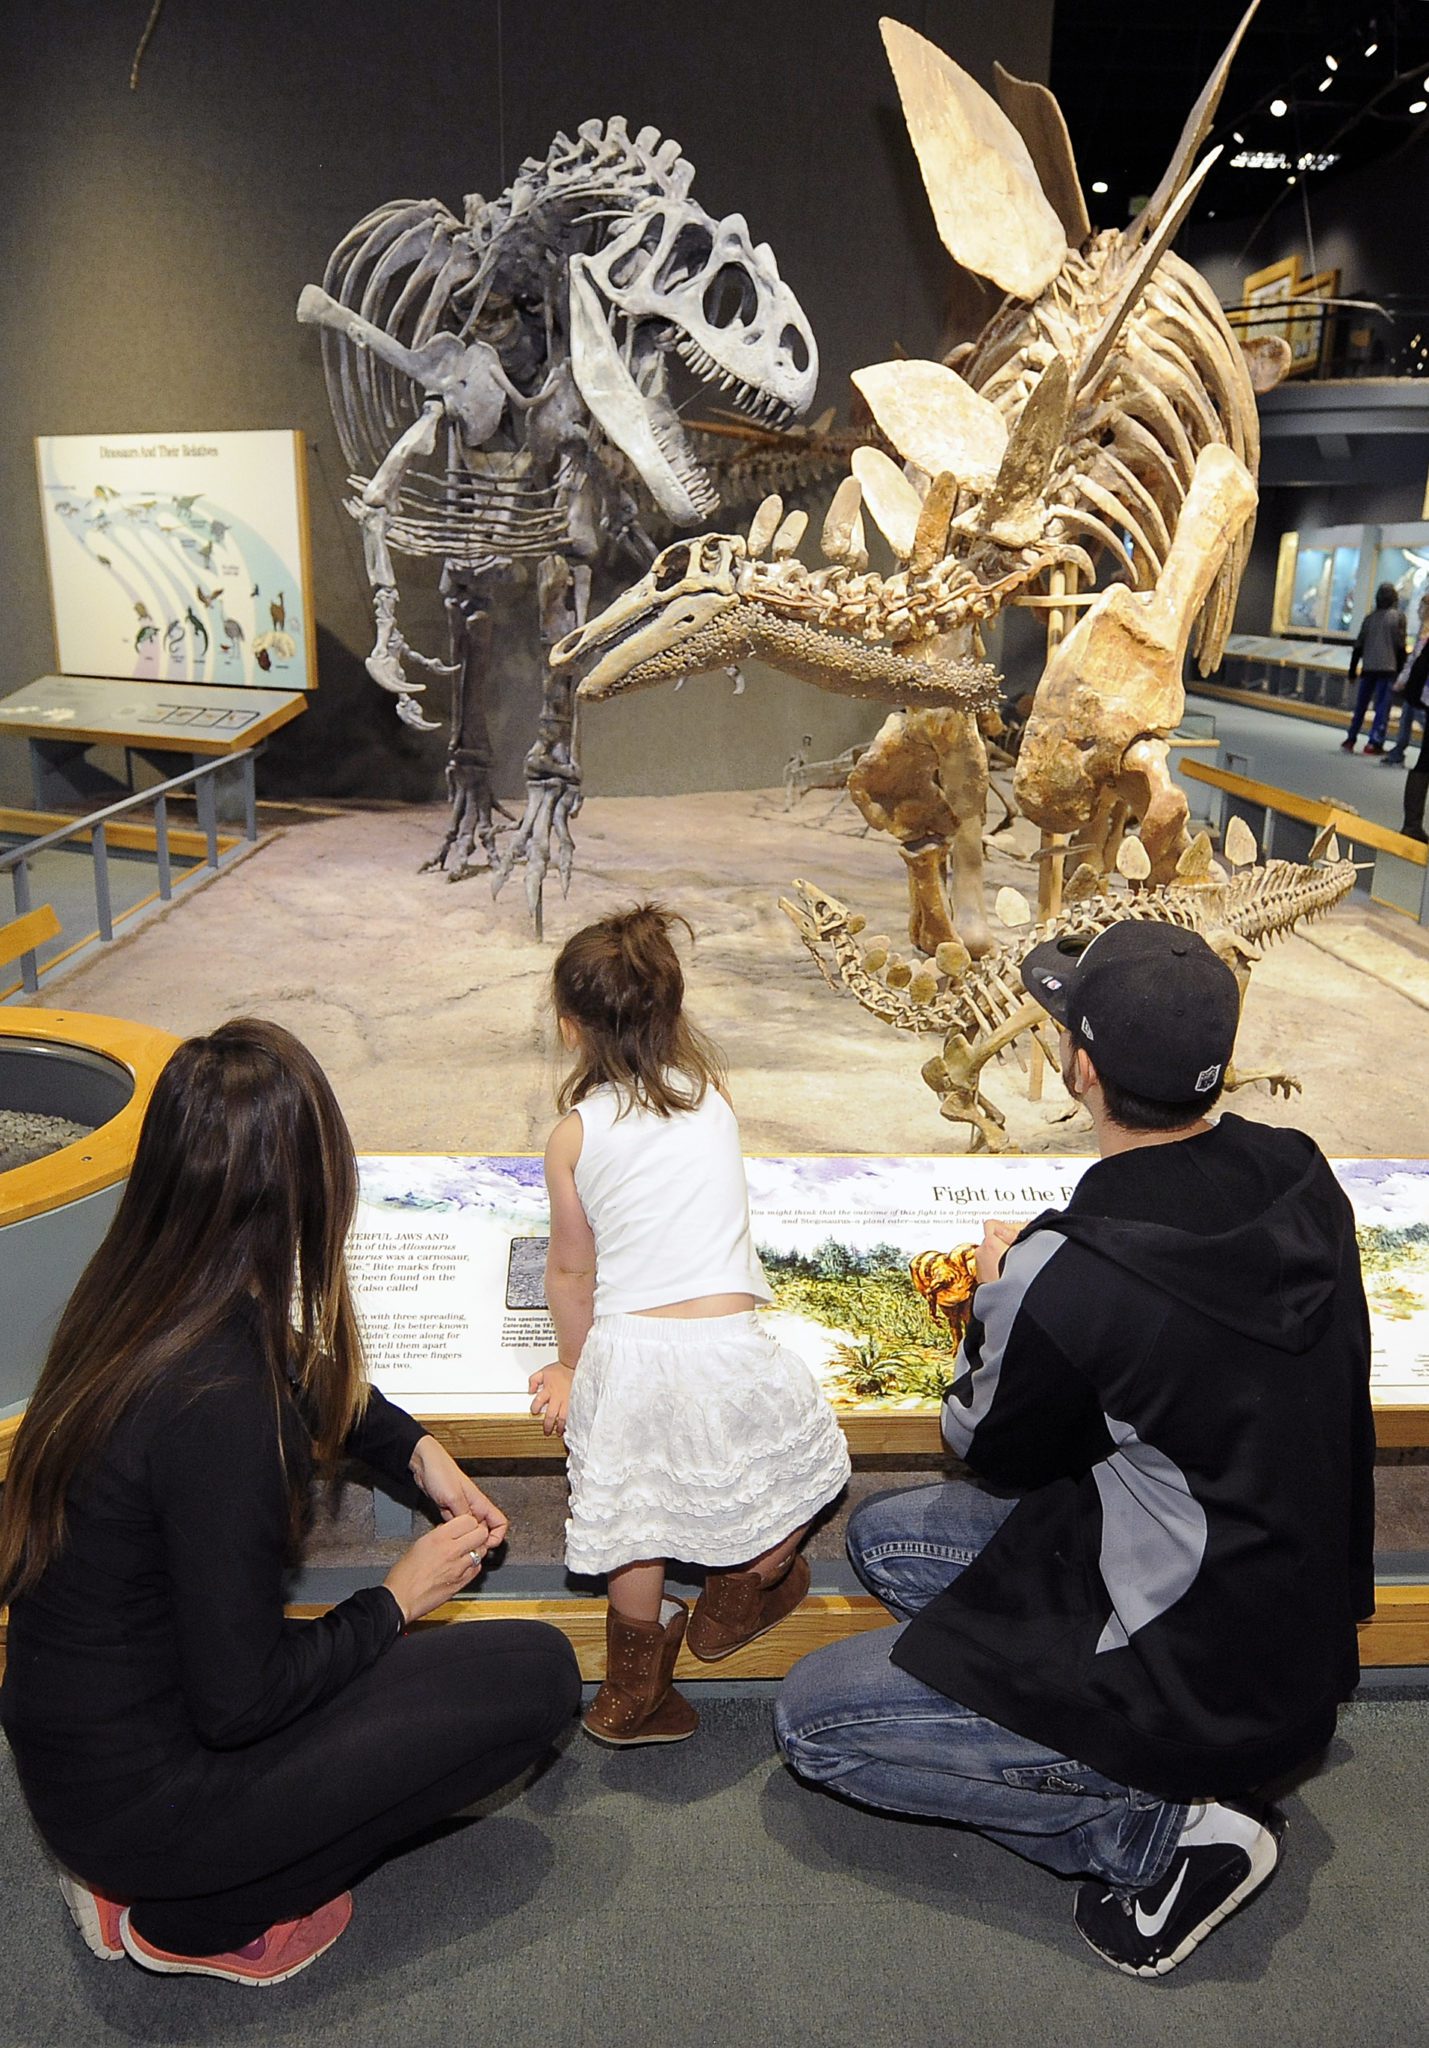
pixel 543 839
pixel 1277 1082
pixel 473 820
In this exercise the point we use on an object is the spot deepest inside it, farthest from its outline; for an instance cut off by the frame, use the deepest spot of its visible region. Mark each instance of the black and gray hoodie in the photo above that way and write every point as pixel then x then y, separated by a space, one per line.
pixel 1173 1374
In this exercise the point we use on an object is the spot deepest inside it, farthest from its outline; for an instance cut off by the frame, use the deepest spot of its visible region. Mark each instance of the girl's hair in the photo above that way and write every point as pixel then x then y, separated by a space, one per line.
pixel 620 983
pixel 243 1188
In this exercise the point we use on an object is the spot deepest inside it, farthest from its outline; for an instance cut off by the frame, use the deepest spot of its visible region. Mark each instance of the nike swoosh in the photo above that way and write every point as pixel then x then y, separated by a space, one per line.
pixel 1148 1924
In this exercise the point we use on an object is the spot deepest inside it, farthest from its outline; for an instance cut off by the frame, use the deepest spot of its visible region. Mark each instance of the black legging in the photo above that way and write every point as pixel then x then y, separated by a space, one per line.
pixel 244 1838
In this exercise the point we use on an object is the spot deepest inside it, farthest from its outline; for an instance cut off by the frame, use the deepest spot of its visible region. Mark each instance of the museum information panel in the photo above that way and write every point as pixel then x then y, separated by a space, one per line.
pixel 863 1257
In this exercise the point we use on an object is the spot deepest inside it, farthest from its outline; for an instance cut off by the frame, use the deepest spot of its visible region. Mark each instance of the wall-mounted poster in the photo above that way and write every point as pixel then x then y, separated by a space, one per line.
pixel 180 557
pixel 866 1259
pixel 1282 300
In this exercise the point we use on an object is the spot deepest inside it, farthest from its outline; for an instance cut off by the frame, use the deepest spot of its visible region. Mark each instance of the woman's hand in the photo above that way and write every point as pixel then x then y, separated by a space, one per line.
pixel 444 1483
pixel 551 1396
pixel 437 1565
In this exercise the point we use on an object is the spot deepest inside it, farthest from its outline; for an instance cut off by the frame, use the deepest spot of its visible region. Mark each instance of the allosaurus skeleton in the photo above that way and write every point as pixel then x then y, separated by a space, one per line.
pixel 499 380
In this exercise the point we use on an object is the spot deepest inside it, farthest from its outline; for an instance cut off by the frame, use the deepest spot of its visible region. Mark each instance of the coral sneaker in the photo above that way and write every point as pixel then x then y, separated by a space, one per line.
pixel 274 1957
pixel 96 1917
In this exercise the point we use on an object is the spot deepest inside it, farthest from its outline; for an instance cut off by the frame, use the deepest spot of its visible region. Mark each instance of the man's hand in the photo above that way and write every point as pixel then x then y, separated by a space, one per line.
pixel 551 1396
pixel 997 1236
pixel 448 1488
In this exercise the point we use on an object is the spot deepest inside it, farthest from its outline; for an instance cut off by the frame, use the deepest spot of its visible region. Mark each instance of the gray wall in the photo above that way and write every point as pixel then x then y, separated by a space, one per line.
pixel 154 244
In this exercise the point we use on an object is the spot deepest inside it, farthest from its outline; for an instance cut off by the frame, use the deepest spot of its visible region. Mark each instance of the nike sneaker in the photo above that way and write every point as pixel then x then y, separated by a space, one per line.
pixel 273 1958
pixel 95 1916
pixel 1221 1857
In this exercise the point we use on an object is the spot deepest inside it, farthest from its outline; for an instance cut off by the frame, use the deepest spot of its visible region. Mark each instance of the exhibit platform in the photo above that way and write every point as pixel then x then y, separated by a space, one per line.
pixel 426 1002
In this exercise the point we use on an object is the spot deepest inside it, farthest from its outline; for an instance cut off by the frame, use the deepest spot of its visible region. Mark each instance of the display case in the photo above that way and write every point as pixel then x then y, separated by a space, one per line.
pixel 1402 559
pixel 1325 580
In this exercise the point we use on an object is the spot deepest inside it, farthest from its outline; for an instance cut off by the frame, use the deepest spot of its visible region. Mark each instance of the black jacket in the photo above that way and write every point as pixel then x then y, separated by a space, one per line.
pixel 158 1632
pixel 1173 1373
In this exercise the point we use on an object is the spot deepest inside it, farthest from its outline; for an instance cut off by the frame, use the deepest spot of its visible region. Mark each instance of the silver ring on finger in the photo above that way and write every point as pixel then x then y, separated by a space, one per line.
pixel 475 1559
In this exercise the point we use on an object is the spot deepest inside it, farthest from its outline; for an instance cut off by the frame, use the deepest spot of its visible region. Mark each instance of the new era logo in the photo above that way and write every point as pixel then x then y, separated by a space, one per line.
pixel 1207 1079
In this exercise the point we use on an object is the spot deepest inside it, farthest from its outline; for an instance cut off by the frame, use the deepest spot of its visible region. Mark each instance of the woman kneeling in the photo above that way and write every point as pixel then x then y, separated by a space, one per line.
pixel 212 1776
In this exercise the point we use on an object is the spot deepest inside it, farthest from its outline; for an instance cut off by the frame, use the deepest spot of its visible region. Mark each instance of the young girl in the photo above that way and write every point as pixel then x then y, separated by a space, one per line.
pixel 689 1433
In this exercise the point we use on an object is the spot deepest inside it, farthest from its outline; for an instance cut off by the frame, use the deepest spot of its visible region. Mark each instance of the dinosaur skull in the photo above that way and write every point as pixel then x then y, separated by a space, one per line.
pixel 667 624
pixel 673 278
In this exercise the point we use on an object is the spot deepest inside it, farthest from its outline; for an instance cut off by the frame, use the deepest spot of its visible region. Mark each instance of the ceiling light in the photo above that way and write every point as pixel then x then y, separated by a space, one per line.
pixel 1291 179
pixel 1099 185
pixel 1324 85
pixel 1237 137
pixel 1331 64
pixel 1277 160
pixel 1418 106
pixel 1279 108
pixel 1370 49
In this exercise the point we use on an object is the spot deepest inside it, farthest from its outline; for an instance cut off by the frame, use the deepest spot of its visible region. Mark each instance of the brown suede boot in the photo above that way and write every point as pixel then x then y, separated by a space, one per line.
pixel 638 1701
pixel 735 1607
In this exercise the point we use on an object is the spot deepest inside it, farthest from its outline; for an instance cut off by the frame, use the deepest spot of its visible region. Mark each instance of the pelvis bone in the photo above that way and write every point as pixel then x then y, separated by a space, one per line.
pixel 1112 692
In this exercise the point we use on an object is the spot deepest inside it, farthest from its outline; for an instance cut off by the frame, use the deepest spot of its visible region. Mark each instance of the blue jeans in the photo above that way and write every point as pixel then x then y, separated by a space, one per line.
pixel 1407 715
pixel 848 1719
pixel 1373 683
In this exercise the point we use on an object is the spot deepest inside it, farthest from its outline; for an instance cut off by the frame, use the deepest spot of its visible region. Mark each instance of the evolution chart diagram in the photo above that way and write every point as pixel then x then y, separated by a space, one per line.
pixel 179 557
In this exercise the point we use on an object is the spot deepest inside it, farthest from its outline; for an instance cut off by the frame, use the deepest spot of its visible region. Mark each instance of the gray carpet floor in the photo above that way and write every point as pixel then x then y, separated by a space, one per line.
pixel 700 1895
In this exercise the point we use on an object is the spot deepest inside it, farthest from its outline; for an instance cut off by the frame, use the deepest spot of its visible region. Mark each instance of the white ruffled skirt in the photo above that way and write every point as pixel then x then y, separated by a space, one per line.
pixel 699 1438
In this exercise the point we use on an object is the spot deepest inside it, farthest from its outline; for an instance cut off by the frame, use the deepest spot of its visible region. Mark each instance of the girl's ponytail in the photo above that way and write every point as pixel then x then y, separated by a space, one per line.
pixel 620 982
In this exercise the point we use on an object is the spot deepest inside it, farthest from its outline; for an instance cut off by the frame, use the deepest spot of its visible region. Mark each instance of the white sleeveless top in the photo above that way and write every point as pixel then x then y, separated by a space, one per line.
pixel 667 1202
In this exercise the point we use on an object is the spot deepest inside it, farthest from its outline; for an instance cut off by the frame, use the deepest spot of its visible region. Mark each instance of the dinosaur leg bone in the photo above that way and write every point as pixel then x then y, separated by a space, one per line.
pixel 473 806
pixel 1112 690
pixel 924 781
pixel 930 920
pixel 553 777
pixel 1147 785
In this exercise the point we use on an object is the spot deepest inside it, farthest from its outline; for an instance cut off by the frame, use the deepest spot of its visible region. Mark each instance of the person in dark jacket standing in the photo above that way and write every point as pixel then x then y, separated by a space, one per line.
pixel 1408 688
pixel 1377 657
pixel 210 1776
pixel 1144 1607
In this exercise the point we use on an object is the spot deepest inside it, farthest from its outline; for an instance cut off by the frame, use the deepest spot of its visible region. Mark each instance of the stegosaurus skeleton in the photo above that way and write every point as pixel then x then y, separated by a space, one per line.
pixel 979 1007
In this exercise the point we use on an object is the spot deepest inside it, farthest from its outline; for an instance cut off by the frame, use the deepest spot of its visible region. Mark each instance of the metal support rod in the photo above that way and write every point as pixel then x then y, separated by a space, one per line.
pixel 207 803
pixel 250 799
pixel 1424 898
pixel 103 909
pixel 161 847
pixel 1267 831
pixel 29 968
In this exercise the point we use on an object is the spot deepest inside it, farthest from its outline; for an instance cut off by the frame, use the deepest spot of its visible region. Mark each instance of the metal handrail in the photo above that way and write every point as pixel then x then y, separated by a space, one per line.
pixel 17 861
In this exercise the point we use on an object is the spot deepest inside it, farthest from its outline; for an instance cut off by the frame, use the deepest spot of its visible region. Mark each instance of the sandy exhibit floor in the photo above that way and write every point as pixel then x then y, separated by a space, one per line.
pixel 426 1000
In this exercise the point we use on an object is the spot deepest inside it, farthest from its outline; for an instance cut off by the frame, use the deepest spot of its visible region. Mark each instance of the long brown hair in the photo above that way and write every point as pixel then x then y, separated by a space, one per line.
pixel 621 984
pixel 243 1188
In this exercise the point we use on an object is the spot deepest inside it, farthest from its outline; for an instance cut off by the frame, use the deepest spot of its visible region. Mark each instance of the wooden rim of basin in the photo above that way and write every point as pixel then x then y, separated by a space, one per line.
pixel 105 1156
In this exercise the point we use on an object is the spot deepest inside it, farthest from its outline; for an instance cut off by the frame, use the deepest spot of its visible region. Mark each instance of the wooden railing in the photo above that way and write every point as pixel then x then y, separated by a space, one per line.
pixel 1321 812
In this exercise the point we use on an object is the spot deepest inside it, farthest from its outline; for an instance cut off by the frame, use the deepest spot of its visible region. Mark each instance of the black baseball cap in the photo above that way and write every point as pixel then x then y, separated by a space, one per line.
pixel 1154 1004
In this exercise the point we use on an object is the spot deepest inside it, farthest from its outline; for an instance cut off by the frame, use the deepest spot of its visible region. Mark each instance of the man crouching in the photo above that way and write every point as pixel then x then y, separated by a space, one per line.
pixel 1144 1606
